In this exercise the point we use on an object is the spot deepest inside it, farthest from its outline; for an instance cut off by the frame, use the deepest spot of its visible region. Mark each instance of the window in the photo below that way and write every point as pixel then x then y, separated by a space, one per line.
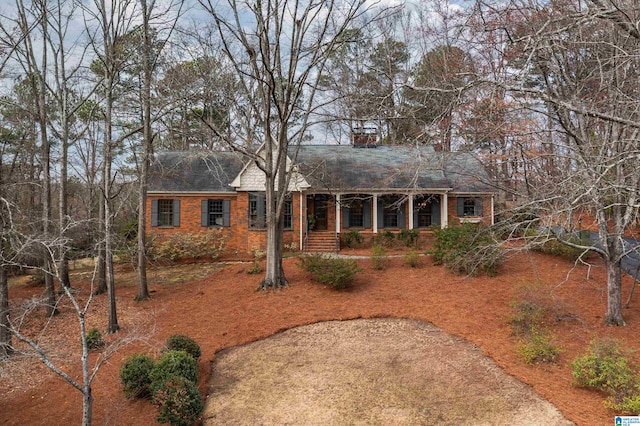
pixel 356 214
pixel 391 213
pixel 424 214
pixel 258 211
pixel 288 213
pixel 469 206
pixel 216 212
pixel 390 219
pixel 165 212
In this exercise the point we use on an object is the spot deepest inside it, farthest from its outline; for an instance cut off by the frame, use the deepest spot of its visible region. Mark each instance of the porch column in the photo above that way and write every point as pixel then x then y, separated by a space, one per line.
pixel 303 213
pixel 338 209
pixel 411 211
pixel 375 213
pixel 444 211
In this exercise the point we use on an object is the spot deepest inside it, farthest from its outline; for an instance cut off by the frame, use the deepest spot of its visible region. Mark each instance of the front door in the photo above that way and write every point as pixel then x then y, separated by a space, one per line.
pixel 320 203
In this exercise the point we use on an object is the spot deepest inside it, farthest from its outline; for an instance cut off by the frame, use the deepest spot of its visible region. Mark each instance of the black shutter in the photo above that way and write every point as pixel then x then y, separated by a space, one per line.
pixel 380 207
pixel 478 206
pixel 435 213
pixel 345 217
pixel 366 214
pixel 416 219
pixel 204 213
pixel 261 217
pixel 176 213
pixel 154 212
pixel 226 211
pixel 460 206
pixel 402 216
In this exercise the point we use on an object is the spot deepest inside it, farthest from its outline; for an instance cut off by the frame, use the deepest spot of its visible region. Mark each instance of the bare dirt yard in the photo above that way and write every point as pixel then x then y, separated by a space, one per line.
pixel 368 372
pixel 218 306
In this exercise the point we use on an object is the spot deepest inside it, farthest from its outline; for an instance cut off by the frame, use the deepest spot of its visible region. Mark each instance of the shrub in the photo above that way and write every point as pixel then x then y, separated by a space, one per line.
pixel 378 254
pixel 543 243
pixel 527 316
pixel 409 237
pixel 629 405
pixel 385 238
pixel 337 273
pixel 258 255
pixel 179 402
pixel 467 249
pixel 208 243
pixel 412 258
pixel 134 375
pixel 179 342
pixel 353 238
pixel 94 339
pixel 538 347
pixel 173 363
pixel 606 368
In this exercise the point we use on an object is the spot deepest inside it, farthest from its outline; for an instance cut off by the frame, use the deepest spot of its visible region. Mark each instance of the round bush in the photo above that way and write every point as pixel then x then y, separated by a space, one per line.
pixel 179 402
pixel 173 363
pixel 179 342
pixel 94 339
pixel 135 378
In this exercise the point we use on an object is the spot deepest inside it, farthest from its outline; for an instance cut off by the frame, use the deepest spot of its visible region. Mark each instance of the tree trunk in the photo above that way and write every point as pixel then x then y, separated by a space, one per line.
pixel 274 274
pixel 614 293
pixel 87 406
pixel 143 290
pixel 113 326
pixel 5 336
pixel 101 272
pixel 64 257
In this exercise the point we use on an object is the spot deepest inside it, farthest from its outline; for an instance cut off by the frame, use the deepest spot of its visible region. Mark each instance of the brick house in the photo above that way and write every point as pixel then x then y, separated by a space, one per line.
pixel 334 189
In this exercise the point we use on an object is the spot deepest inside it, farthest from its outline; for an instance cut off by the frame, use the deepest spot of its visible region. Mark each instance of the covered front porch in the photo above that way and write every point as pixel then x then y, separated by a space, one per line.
pixel 324 216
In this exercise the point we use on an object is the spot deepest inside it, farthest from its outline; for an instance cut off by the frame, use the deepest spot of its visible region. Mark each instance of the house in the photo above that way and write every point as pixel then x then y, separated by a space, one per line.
pixel 334 189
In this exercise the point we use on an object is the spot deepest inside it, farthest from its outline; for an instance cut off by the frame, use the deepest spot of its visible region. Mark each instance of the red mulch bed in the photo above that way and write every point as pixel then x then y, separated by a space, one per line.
pixel 223 310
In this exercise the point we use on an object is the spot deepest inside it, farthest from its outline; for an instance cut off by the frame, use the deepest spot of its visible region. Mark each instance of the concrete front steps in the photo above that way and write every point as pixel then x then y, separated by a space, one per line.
pixel 321 241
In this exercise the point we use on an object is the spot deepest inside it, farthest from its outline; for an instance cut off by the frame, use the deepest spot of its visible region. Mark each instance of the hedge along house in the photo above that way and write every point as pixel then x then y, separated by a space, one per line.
pixel 333 189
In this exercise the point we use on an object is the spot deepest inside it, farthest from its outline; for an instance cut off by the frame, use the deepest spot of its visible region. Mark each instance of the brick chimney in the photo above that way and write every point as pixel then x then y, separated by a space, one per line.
pixel 364 137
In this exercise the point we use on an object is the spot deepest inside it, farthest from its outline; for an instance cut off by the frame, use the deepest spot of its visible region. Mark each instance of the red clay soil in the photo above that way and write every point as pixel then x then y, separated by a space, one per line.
pixel 223 310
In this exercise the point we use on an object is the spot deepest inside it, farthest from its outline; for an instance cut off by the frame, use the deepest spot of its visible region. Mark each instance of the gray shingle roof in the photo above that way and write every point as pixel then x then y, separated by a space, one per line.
pixel 327 167
pixel 349 168
pixel 194 172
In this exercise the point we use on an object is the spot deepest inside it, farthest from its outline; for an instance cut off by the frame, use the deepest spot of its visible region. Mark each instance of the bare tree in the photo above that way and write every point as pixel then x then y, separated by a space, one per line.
pixel 28 18
pixel 112 21
pixel 279 50
pixel 587 84
pixel 19 247
pixel 150 55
